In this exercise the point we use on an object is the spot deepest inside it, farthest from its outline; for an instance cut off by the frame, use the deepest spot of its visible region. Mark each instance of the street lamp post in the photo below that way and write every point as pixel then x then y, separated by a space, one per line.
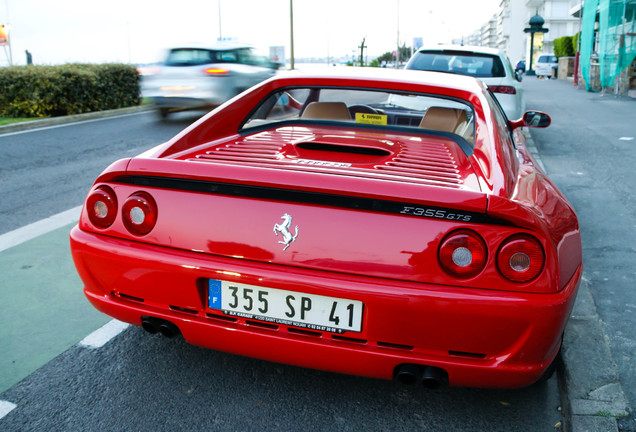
pixel 536 26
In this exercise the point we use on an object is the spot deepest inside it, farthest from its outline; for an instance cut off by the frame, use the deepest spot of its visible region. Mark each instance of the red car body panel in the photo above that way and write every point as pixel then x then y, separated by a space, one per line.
pixel 371 225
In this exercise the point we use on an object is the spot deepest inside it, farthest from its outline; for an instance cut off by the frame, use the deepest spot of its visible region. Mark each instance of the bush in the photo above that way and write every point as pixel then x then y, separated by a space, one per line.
pixel 563 46
pixel 42 91
pixel 575 42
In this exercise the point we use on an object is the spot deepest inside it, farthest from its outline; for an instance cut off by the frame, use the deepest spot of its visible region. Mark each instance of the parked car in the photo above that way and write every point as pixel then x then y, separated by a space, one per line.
pixel 203 77
pixel 546 66
pixel 382 223
pixel 489 65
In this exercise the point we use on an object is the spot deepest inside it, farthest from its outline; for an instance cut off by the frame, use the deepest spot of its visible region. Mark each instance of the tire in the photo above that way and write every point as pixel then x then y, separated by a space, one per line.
pixel 550 370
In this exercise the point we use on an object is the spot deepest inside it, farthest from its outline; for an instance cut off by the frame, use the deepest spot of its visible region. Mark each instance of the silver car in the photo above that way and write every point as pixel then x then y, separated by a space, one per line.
pixel 203 77
pixel 490 65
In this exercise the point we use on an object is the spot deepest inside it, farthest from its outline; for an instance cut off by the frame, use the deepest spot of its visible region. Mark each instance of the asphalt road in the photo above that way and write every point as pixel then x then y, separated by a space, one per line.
pixel 142 382
pixel 44 172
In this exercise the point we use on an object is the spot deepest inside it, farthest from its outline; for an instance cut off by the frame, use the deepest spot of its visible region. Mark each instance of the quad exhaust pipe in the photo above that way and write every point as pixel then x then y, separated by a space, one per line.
pixel 157 325
pixel 430 377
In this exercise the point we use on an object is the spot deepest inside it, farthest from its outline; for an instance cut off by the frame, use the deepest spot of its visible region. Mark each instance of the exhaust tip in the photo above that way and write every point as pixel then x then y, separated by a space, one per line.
pixel 408 374
pixel 150 324
pixel 434 377
pixel 169 329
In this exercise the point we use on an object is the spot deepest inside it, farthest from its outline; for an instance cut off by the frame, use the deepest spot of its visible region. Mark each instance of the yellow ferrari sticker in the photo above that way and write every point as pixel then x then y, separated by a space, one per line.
pixel 374 119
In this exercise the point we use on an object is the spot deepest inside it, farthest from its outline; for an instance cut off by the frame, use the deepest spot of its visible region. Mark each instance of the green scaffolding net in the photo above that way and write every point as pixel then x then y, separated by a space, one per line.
pixel 616 46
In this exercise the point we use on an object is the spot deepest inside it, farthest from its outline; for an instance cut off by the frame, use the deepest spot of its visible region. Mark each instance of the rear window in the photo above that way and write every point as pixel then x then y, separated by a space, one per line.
pixel 202 56
pixel 409 112
pixel 547 59
pixel 462 63
pixel 190 57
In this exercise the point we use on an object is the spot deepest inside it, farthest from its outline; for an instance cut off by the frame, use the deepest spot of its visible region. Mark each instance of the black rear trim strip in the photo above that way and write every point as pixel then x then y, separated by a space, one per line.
pixel 288 195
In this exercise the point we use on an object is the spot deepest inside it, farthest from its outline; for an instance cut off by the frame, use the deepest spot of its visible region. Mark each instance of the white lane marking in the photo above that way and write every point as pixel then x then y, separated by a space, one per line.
pixel 31 231
pixel 104 334
pixel 2 135
pixel 6 408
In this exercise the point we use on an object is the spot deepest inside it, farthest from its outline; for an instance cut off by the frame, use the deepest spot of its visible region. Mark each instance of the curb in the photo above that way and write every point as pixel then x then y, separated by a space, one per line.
pixel 592 397
pixel 53 121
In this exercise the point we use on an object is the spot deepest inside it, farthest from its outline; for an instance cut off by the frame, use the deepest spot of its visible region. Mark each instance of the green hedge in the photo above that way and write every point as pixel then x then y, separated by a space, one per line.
pixel 43 91
pixel 564 46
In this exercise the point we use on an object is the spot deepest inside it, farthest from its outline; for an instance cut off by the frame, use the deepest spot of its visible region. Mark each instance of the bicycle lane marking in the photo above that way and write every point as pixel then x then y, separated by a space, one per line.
pixel 43 311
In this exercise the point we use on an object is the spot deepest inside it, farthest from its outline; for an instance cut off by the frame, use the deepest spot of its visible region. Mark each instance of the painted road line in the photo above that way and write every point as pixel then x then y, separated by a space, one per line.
pixel 36 229
pixel 6 408
pixel 103 335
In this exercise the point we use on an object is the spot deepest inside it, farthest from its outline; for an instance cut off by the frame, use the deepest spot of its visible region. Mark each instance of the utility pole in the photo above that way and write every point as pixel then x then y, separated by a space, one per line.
pixel 362 47
pixel 291 31
pixel 397 51
pixel 220 32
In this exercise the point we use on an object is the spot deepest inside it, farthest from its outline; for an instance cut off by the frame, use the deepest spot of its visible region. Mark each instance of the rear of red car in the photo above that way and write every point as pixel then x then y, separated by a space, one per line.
pixel 367 253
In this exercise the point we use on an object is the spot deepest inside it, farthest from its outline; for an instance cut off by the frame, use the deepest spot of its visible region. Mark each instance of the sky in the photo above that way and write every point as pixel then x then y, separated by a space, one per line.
pixel 139 31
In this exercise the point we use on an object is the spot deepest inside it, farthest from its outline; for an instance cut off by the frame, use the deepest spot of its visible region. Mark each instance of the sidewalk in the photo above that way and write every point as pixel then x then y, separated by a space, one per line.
pixel 596 368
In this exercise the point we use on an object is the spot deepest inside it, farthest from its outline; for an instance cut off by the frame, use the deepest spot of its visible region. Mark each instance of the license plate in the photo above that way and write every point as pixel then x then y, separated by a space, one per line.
pixel 310 311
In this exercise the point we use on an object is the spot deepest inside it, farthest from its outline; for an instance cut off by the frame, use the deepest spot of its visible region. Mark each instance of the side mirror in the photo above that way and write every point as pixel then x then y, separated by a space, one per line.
pixel 536 119
pixel 518 75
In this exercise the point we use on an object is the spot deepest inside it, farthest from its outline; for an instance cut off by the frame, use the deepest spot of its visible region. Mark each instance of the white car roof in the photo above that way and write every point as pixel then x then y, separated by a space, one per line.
pixel 218 46
pixel 475 49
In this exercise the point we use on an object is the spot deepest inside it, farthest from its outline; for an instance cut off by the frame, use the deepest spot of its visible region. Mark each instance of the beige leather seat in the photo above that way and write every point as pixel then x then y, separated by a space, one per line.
pixel 445 119
pixel 326 111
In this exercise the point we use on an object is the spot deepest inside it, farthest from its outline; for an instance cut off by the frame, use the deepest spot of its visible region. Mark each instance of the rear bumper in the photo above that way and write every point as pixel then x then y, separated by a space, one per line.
pixel 480 338
pixel 184 102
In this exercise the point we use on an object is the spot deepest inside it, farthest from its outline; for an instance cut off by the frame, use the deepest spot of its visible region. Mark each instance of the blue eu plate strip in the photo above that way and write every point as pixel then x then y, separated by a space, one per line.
pixel 214 294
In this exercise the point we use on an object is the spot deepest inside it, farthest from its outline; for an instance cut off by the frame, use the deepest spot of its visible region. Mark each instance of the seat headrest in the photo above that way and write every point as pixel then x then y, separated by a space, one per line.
pixel 444 119
pixel 327 111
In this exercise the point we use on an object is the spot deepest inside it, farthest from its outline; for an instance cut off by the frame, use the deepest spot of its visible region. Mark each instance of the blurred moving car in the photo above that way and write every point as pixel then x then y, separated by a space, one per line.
pixel 376 222
pixel 520 66
pixel 546 66
pixel 202 77
pixel 489 65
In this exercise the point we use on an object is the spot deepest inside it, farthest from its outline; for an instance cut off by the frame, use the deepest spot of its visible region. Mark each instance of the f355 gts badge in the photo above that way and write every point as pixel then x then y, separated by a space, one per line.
pixel 283 228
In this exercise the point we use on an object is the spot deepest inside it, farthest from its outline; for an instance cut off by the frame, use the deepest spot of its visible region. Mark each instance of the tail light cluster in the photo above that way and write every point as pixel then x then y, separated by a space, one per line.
pixel 102 207
pixel 503 89
pixel 215 71
pixel 463 254
pixel 139 213
pixel 139 210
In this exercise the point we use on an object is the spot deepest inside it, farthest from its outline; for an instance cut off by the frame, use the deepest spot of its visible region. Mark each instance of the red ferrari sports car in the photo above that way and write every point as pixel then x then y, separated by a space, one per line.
pixel 388 224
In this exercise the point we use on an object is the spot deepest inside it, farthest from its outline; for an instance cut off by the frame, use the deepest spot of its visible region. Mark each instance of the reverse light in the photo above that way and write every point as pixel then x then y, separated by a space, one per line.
pixel 503 89
pixel 101 206
pixel 216 71
pixel 463 254
pixel 520 258
pixel 139 213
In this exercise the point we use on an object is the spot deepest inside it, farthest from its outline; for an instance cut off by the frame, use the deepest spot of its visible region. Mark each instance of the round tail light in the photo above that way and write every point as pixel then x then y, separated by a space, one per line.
pixel 101 206
pixel 520 258
pixel 463 254
pixel 139 213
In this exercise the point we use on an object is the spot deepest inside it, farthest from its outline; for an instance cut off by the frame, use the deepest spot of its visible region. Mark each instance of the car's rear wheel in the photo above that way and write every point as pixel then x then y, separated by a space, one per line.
pixel 163 113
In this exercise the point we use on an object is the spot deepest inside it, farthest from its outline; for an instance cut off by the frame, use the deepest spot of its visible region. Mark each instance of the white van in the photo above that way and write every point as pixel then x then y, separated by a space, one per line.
pixel 545 64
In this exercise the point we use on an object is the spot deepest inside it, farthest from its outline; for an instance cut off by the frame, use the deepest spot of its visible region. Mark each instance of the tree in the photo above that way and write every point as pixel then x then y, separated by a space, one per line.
pixel 389 56
pixel 405 53
pixel 386 57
